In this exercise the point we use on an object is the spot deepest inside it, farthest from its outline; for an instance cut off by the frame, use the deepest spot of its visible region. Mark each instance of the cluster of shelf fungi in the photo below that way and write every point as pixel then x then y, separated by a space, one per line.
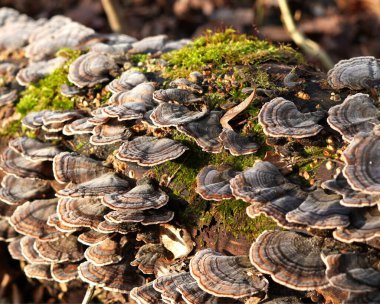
pixel 73 217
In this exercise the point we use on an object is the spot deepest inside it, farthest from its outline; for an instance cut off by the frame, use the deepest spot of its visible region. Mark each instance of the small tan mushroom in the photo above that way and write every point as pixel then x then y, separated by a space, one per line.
pixel 281 118
pixel 98 187
pixel 31 219
pixel 71 167
pixel 214 183
pixel 118 277
pixel 150 151
pixel 177 240
pixel 290 259
pixel 357 113
pixel 355 73
pixel 226 276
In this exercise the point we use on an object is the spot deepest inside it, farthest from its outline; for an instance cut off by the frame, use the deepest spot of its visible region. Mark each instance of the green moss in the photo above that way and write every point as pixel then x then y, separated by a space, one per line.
pixel 13 128
pixel 137 58
pixel 45 94
pixel 225 49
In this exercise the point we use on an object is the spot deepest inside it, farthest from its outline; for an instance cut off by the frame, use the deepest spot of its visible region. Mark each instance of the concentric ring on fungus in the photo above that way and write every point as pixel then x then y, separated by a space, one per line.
pixel 290 259
pixel 226 276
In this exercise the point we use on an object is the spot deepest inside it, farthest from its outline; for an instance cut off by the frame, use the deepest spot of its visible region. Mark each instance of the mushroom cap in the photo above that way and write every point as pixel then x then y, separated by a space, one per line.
pixel 15 190
pixel 81 212
pixel 91 68
pixel 147 255
pixel 33 120
pixel 141 197
pixel 167 286
pixel 357 113
pixel 171 115
pixel 145 217
pixel 351 198
pixel 364 226
pixel 55 222
pixel 362 159
pixel 71 167
pixel 108 251
pixel 263 183
pixel 355 73
pixel 98 117
pixel 277 209
pixel 14 248
pixel 7 232
pixel 64 272
pixel 150 151
pixel 127 81
pixel 92 237
pixel 281 118
pixel 79 126
pixel 37 70
pixel 30 253
pixel 151 44
pixel 205 132
pixel 53 130
pixel 123 228
pixel 13 163
pixel 321 211
pixel 97 187
pixel 128 111
pixel 225 276
pixel 118 277
pixel 31 219
pixel 110 133
pixel 65 249
pixel 69 91
pixel 141 95
pixel 214 183
pixel 57 117
pixel 236 143
pixel 290 259
pixel 33 149
pixel 352 272
pixel 193 294
pixel 8 97
pixel 38 271
pixel 145 294
pixel 177 96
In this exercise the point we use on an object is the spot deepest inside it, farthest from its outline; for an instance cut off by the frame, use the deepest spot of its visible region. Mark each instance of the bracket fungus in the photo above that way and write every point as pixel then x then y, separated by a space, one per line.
pixel 291 259
pixel 143 196
pixel 236 143
pixel 281 118
pixel 355 73
pixel 145 294
pixel 38 271
pixel 356 114
pixel 362 161
pixel 214 183
pixel 321 211
pixel 91 68
pixel 178 96
pixel 64 272
pixel 127 81
pixel 72 167
pixel 167 286
pixel 226 276
pixel 147 255
pixel 150 151
pixel 110 133
pixel 119 277
pixel 352 272
pixel 30 253
pixel 31 218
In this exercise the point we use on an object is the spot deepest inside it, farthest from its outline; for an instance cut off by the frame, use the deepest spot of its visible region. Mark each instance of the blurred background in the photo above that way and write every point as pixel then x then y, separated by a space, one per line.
pixel 343 28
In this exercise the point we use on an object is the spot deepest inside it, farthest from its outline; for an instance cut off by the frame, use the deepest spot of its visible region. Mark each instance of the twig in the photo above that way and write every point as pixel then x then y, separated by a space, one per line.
pixel 89 293
pixel 114 15
pixel 309 46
